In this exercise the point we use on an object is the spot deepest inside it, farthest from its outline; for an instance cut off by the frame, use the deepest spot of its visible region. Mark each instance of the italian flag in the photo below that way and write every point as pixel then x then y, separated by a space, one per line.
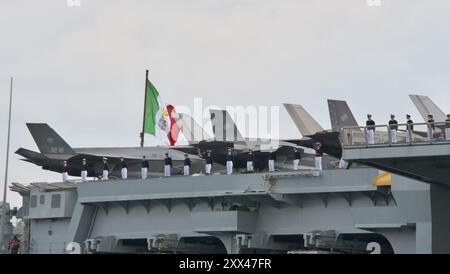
pixel 159 117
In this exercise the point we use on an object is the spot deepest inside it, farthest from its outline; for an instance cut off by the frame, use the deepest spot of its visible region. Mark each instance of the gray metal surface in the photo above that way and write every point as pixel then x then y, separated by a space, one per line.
pixel 425 162
pixel 246 212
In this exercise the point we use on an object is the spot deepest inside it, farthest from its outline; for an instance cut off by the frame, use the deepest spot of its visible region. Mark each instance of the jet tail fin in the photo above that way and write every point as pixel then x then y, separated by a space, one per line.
pixel 48 141
pixel 426 106
pixel 303 120
pixel 340 115
pixel 224 128
pixel 191 129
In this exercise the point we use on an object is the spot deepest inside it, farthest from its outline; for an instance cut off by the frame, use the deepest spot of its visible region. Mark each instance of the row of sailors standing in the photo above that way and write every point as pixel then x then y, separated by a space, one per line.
pixel 124 168
pixel 84 170
pixel 250 161
pixel 432 127
pixel 393 127
pixel 187 164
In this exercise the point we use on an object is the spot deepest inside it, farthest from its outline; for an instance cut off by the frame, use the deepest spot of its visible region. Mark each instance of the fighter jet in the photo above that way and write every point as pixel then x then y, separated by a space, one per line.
pixel 312 131
pixel 54 150
pixel 219 145
pixel 340 116
pixel 225 130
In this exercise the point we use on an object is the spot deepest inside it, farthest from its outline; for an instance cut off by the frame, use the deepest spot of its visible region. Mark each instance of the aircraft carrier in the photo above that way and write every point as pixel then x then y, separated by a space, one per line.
pixel 360 209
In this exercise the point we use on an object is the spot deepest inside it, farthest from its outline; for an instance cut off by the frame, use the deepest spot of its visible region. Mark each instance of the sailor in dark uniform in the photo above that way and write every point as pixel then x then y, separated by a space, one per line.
pixel 250 160
pixel 229 162
pixel 370 127
pixel 167 165
pixel 297 158
pixel 105 169
pixel 84 170
pixel 65 173
pixel 144 168
pixel 272 158
pixel 409 128
pixel 209 163
pixel 187 165
pixel 430 127
pixel 123 168
pixel 447 128
pixel 393 127
pixel 319 154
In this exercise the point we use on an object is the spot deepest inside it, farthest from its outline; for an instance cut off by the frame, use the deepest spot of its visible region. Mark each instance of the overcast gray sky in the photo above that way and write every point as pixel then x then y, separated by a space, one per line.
pixel 81 69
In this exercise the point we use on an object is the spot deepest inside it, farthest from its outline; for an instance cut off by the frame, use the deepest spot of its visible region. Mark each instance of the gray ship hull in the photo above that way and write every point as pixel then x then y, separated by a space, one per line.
pixel 247 213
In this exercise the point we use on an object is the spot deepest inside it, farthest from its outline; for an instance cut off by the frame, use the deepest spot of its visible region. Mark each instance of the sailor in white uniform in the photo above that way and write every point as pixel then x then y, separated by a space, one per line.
pixel 430 127
pixel 272 158
pixel 229 162
pixel 105 169
pixel 167 165
pixel 393 127
pixel 250 160
pixel 319 154
pixel 409 128
pixel 209 163
pixel 370 127
pixel 84 170
pixel 123 168
pixel 65 174
pixel 187 165
pixel 144 168
pixel 297 158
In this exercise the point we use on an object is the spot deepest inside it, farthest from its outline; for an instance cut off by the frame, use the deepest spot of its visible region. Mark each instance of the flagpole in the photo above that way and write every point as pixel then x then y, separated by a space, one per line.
pixel 3 220
pixel 145 108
